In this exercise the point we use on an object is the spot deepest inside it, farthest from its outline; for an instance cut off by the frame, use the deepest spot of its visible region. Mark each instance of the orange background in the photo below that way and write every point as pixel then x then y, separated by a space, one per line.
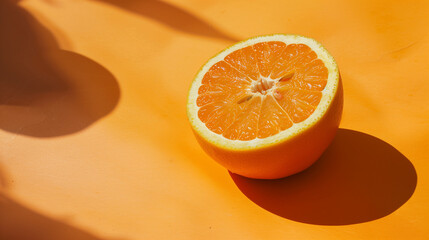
pixel 95 144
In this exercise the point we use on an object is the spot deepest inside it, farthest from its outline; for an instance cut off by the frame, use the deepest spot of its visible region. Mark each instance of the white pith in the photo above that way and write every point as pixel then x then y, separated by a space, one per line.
pixel 328 94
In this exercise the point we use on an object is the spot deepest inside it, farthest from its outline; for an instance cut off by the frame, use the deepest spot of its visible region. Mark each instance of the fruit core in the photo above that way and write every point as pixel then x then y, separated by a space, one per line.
pixel 262 86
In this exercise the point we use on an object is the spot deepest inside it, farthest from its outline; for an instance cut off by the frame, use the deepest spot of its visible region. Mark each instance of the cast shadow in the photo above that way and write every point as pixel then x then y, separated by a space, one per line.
pixel 46 91
pixel 172 16
pixel 18 222
pixel 358 179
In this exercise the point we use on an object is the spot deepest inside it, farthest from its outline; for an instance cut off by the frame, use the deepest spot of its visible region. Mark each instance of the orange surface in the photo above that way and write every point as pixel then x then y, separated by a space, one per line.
pixel 86 152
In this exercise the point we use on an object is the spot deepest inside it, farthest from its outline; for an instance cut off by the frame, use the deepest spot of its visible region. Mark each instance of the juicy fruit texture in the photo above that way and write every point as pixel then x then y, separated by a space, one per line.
pixel 260 90
pixel 267 107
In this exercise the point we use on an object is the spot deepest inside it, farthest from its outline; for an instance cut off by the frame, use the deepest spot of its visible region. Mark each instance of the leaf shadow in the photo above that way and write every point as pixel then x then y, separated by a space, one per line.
pixel 46 91
pixel 172 16
pixel 359 178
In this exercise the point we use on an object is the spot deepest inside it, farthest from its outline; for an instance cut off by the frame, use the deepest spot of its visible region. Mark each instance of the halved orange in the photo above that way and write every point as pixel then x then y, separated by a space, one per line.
pixel 267 107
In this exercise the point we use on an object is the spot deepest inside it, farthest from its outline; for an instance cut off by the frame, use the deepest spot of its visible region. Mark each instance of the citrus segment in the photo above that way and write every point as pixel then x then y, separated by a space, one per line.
pixel 245 126
pixel 297 103
pixel 267 54
pixel 293 56
pixel 219 115
pixel 244 60
pixel 273 119
pixel 221 84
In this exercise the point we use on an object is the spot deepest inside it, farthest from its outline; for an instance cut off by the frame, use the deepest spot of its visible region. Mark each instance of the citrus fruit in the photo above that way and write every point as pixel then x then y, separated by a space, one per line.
pixel 267 107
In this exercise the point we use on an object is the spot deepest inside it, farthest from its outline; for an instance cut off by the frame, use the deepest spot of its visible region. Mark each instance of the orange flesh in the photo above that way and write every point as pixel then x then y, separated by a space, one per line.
pixel 261 90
